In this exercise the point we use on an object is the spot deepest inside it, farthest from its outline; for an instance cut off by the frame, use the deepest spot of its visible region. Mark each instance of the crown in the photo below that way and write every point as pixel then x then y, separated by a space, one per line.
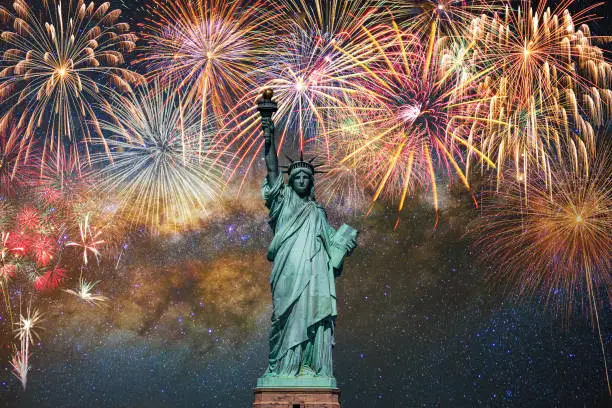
pixel 302 164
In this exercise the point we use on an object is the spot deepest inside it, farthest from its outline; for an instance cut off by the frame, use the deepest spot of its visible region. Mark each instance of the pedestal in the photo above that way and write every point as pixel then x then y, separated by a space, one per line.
pixel 296 398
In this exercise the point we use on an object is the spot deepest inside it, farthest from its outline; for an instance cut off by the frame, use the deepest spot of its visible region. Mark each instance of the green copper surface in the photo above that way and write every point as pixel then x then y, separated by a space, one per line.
pixel 296 382
pixel 307 255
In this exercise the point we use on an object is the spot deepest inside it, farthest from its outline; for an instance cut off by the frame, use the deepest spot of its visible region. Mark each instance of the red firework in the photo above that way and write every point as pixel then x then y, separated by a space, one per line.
pixel 43 250
pixel 50 280
pixel 18 243
pixel 50 196
pixel 28 219
pixel 7 271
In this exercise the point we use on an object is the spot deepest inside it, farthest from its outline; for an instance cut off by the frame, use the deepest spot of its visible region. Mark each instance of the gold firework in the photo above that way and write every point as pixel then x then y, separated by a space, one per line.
pixel 557 240
pixel 59 66
pixel 549 87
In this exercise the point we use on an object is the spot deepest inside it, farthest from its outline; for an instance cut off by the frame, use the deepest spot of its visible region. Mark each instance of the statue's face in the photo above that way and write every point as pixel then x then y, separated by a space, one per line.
pixel 301 184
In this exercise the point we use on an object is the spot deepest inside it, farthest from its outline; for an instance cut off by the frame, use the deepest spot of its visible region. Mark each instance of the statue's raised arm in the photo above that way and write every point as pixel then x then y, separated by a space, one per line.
pixel 267 107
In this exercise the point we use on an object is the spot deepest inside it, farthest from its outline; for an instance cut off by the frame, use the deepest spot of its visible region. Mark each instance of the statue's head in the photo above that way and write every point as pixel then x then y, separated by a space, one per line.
pixel 301 176
pixel 301 181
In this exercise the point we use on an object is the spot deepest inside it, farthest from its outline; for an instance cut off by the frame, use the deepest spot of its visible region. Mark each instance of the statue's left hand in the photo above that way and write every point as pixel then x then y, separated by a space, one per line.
pixel 352 246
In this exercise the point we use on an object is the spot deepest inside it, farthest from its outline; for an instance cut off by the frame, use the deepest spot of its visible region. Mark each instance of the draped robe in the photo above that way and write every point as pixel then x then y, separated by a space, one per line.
pixel 302 283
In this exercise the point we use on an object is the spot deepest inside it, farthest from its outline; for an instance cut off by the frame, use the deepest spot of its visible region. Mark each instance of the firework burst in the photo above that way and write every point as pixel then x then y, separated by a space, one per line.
pixel 209 48
pixel 49 279
pixel 341 181
pixel 90 240
pixel 554 237
pixel 84 292
pixel 28 219
pixel 43 249
pixel 341 185
pixel 162 173
pixel 61 191
pixel 549 87
pixel 413 113
pixel 58 65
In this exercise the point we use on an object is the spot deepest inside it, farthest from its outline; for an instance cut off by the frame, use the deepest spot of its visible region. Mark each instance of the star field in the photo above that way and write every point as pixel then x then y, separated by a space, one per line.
pixel 418 325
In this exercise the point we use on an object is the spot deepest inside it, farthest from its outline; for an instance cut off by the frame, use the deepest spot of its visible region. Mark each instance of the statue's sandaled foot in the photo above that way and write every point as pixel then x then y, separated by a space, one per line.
pixel 270 374
pixel 306 371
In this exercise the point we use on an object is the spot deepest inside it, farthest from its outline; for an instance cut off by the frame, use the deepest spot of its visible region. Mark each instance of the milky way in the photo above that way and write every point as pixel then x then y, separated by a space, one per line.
pixel 188 319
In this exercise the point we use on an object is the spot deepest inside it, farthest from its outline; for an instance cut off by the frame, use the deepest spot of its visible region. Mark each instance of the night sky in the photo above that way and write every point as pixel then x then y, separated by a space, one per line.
pixel 420 322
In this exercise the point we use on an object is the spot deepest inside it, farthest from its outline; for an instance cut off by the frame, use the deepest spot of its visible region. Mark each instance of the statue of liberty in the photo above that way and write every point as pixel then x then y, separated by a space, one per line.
pixel 307 255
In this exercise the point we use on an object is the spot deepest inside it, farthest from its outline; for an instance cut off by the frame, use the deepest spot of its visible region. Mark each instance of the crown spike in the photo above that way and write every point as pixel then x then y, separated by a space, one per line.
pixel 303 164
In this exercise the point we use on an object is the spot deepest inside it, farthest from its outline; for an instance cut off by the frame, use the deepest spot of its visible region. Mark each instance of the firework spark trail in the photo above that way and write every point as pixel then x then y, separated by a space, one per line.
pixel 7 271
pixel 57 67
pixel 330 19
pixel 13 169
pixel 549 87
pixel 443 18
pixel 26 333
pixel 157 172
pixel 90 240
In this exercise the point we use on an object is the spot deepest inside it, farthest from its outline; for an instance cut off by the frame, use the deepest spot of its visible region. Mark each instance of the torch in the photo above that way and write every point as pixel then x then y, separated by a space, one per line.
pixel 266 107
